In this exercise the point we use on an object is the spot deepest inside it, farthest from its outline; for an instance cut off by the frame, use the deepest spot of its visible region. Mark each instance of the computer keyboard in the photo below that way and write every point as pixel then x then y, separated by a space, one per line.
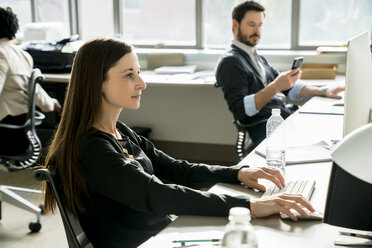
pixel 303 187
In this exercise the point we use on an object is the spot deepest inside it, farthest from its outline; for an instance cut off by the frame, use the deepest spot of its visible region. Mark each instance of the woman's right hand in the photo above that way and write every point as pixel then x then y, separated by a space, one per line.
pixel 282 203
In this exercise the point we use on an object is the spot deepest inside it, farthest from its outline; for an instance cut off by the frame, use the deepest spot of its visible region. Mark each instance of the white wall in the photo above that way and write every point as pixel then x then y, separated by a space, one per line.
pixel 184 113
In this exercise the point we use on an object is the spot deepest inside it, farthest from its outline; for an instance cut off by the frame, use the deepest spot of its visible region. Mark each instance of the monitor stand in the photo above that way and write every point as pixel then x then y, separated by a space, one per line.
pixel 366 243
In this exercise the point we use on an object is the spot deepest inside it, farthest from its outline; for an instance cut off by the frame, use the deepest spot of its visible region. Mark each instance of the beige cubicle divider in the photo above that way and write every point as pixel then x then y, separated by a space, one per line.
pixel 155 60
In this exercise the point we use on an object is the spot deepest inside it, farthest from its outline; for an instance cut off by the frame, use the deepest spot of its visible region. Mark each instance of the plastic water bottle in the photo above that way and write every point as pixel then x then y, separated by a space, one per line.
pixel 275 141
pixel 239 232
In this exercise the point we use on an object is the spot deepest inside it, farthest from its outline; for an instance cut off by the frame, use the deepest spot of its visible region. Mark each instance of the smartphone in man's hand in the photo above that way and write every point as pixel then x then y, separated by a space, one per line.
pixel 297 62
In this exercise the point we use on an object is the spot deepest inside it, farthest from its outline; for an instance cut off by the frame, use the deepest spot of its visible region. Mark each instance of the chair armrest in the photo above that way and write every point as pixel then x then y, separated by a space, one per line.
pixel 39 116
pixel 238 123
pixel 13 126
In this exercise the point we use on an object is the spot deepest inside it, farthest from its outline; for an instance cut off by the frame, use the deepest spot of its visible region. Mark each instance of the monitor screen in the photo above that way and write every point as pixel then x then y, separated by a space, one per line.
pixel 358 84
pixel 349 201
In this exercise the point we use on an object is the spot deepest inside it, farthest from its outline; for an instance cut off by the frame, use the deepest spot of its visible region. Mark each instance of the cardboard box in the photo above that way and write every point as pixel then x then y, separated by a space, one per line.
pixel 155 60
pixel 319 71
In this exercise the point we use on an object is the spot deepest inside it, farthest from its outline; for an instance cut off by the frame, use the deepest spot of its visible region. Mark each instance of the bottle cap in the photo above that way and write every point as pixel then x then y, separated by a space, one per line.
pixel 239 214
pixel 275 111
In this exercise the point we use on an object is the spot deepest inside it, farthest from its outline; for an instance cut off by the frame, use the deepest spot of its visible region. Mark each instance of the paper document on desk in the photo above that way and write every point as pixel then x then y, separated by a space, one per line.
pixel 174 239
pixel 314 153
pixel 176 69
pixel 323 105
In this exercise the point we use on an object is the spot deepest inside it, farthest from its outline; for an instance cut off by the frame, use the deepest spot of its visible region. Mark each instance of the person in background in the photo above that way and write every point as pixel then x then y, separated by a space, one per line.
pixel 15 69
pixel 120 187
pixel 251 86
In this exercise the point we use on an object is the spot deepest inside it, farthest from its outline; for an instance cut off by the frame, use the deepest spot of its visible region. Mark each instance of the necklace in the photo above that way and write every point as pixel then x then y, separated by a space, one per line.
pixel 124 150
pixel 117 141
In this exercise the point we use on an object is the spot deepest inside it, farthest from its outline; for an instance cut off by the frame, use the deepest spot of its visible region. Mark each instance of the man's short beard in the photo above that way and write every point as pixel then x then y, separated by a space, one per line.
pixel 243 39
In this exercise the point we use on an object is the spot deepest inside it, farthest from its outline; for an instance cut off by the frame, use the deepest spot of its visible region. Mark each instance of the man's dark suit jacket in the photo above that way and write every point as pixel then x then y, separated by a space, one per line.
pixel 239 77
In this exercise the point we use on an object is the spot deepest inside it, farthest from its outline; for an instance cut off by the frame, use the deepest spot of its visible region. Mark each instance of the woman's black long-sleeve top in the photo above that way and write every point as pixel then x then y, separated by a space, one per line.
pixel 130 199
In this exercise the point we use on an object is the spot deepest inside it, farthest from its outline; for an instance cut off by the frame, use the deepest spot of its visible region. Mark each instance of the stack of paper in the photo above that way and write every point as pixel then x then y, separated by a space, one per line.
pixel 176 69
pixel 339 49
pixel 323 105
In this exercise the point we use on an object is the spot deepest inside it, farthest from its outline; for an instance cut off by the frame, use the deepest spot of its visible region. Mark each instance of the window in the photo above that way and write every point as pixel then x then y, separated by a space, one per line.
pixel 22 8
pixel 276 30
pixel 217 23
pixel 288 24
pixel 333 22
pixel 159 22
pixel 46 11
pixel 53 11
pixel 96 17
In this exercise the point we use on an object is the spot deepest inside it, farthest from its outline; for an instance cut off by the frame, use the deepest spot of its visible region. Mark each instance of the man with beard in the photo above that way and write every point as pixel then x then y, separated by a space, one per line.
pixel 250 85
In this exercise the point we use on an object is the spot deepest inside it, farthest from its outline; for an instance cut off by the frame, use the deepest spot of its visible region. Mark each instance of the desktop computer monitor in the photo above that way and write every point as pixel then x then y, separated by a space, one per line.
pixel 349 198
pixel 358 84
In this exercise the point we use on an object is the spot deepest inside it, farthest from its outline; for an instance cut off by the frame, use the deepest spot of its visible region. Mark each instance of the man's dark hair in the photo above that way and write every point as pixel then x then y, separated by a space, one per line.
pixel 240 9
pixel 8 23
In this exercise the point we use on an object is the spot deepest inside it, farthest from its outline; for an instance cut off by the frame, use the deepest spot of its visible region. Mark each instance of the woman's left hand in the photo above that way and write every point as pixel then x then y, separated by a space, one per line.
pixel 250 176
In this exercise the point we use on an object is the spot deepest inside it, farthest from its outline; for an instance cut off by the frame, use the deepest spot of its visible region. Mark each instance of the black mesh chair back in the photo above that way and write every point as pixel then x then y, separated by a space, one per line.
pixel 26 159
pixel 75 235
pixel 33 153
pixel 244 144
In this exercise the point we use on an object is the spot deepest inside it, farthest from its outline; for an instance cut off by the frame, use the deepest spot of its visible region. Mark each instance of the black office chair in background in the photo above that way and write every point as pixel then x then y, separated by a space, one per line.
pixel 244 144
pixel 75 235
pixel 28 158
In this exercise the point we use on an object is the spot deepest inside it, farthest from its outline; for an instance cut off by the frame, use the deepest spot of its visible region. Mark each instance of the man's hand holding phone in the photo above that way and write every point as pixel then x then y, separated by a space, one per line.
pixel 286 80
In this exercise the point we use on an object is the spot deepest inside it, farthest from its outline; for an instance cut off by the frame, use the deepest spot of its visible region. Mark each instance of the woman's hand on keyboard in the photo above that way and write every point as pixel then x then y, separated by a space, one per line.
pixel 281 204
pixel 250 176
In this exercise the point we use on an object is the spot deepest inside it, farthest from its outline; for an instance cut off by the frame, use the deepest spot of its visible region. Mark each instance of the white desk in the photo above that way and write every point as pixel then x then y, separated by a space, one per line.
pixel 201 78
pixel 338 81
pixel 273 231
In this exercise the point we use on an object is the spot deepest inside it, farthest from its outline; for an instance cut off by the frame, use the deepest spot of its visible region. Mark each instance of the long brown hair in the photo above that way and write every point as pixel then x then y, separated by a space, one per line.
pixel 81 110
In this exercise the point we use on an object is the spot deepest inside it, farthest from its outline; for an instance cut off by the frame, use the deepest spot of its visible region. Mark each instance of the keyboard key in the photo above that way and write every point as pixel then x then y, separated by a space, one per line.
pixel 303 185
pixel 290 187
pixel 296 188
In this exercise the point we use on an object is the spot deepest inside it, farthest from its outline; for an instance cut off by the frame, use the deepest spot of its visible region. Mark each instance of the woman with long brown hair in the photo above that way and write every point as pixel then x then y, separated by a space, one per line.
pixel 121 188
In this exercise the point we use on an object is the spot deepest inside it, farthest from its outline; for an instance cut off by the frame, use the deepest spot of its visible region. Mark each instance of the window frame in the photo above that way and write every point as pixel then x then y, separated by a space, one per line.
pixel 75 25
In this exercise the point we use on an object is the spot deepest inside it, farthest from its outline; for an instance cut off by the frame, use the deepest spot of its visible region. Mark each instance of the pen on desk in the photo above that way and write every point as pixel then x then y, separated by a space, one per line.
pixel 196 240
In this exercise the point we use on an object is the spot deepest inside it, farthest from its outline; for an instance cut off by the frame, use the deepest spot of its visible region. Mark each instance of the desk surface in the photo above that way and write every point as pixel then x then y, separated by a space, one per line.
pixel 189 79
pixel 150 77
pixel 272 231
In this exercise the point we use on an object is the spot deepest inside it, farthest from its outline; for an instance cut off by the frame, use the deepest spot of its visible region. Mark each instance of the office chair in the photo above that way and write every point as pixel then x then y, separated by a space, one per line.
pixel 75 235
pixel 28 158
pixel 244 144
